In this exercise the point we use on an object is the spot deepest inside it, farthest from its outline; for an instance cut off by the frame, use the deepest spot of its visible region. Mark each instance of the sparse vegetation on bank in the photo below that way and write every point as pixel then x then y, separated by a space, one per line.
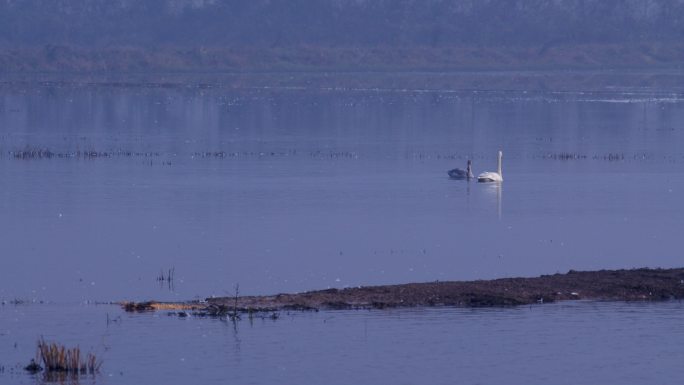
pixel 610 285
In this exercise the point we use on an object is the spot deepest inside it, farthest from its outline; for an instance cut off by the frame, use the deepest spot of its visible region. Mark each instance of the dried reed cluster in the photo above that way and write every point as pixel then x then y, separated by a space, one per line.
pixel 57 358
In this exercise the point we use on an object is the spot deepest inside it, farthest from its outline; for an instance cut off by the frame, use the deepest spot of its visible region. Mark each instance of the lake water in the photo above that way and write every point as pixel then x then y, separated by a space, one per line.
pixel 293 188
pixel 565 343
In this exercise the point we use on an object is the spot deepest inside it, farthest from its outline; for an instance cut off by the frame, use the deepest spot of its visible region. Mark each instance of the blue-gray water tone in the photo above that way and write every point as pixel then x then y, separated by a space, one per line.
pixel 284 190
pixel 565 343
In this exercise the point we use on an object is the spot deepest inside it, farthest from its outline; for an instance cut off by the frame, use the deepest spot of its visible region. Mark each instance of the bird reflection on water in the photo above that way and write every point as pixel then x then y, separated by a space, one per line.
pixel 494 191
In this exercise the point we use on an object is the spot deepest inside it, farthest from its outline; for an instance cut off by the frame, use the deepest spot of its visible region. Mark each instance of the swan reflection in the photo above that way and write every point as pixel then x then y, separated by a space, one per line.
pixel 495 191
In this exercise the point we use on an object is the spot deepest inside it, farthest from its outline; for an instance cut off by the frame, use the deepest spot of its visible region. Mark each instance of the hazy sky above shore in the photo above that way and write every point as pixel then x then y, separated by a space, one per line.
pixel 332 23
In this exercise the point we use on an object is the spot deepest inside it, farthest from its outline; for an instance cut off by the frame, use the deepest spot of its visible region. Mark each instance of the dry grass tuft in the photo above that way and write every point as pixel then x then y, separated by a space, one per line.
pixel 57 358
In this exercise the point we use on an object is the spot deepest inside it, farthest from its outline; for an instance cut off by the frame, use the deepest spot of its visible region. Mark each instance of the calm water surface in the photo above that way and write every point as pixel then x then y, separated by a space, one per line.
pixel 292 189
pixel 285 190
pixel 568 343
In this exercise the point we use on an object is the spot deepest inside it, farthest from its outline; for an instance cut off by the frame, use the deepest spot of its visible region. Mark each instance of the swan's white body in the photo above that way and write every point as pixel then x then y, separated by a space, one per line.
pixel 491 176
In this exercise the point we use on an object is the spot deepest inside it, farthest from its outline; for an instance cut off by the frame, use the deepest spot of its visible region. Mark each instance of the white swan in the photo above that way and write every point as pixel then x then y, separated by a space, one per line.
pixel 490 176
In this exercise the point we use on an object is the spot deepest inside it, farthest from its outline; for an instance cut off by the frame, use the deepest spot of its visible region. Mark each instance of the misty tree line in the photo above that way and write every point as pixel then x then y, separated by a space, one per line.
pixel 331 23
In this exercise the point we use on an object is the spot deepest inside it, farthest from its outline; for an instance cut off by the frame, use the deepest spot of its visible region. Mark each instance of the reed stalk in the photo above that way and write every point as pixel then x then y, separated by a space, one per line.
pixel 57 358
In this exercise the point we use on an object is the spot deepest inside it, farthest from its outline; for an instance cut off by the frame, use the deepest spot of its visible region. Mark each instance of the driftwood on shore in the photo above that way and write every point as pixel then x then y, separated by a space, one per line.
pixel 610 285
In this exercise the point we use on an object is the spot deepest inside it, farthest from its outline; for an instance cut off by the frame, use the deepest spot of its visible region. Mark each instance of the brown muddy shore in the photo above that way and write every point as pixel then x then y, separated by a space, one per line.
pixel 609 285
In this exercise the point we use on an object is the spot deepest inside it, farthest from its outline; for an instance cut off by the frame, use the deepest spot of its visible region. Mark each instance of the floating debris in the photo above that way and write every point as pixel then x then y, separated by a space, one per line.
pixel 611 157
pixel 33 153
pixel 138 306
pixel 564 156
pixel 33 367
pixel 153 305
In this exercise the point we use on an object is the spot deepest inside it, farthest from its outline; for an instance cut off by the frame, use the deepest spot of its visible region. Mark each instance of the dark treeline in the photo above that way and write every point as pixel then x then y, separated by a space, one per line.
pixel 154 25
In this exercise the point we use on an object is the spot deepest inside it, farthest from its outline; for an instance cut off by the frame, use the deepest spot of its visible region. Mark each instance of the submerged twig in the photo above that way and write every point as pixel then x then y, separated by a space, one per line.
pixel 167 277
pixel 235 316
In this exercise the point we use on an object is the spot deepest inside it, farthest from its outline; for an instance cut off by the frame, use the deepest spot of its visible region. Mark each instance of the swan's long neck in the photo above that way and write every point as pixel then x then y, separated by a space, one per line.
pixel 499 164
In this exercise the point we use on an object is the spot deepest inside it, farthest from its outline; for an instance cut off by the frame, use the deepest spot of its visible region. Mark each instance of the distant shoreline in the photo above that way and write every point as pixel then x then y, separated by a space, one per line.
pixel 319 58
pixel 636 80
pixel 605 285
